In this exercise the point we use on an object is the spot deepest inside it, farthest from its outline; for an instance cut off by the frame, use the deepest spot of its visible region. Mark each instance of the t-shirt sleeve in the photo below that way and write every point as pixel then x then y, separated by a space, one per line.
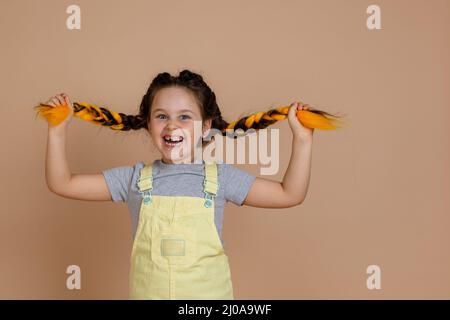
pixel 119 182
pixel 236 183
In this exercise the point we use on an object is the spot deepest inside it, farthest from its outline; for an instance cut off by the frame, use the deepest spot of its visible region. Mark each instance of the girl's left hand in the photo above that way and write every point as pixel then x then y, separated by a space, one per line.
pixel 298 130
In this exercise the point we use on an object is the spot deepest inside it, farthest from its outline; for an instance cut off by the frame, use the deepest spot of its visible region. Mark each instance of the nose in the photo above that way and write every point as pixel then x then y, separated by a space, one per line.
pixel 171 125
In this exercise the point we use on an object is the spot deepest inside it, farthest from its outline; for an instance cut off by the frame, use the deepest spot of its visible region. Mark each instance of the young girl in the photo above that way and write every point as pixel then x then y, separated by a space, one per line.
pixel 177 205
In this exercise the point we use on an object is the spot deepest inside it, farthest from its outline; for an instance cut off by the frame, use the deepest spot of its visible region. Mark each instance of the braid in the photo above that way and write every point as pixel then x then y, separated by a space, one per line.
pixel 311 118
pixel 107 118
pixel 93 114
pixel 206 99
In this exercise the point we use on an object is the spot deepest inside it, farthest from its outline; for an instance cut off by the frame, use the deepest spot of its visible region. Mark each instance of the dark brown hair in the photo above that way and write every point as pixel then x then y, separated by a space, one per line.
pixel 194 82
pixel 205 98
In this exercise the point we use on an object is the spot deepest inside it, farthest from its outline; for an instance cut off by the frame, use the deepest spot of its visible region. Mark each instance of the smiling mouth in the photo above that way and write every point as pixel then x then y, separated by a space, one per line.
pixel 172 141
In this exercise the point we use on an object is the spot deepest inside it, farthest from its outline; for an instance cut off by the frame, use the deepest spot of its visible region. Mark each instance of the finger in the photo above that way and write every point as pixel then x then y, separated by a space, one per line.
pixel 54 100
pixel 48 102
pixel 58 102
pixel 299 105
pixel 60 99
pixel 66 99
pixel 292 111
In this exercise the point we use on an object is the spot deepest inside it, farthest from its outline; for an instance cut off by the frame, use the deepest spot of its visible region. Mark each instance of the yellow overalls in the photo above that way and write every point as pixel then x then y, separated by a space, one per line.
pixel 177 252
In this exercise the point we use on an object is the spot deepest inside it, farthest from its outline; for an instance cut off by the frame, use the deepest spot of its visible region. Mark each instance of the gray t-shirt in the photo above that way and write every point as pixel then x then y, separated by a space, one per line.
pixel 178 180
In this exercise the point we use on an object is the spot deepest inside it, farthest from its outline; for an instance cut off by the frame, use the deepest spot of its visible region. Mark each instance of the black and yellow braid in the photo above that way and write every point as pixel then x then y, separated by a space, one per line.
pixel 311 118
pixel 107 118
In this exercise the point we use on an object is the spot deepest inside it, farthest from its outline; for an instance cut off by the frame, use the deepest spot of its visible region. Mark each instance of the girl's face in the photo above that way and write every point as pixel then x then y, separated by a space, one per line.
pixel 171 124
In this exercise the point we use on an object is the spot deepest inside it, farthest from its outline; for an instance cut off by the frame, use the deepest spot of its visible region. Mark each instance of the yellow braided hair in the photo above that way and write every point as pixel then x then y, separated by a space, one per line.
pixel 311 118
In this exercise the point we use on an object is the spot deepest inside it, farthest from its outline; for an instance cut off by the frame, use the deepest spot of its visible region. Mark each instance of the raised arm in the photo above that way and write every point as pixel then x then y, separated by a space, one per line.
pixel 57 173
pixel 266 193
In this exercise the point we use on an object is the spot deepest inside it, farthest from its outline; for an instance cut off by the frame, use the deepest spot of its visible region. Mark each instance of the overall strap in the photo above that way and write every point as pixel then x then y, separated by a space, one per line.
pixel 145 183
pixel 211 183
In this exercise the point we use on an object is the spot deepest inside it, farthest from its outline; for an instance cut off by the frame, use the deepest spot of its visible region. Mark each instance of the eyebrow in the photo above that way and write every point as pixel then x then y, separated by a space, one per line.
pixel 182 110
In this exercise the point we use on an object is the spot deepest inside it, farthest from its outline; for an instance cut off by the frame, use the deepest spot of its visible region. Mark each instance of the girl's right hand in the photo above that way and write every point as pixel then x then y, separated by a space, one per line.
pixel 59 100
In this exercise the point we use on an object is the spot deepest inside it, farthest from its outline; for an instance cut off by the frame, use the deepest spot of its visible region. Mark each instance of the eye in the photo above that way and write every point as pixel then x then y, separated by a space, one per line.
pixel 160 115
pixel 185 115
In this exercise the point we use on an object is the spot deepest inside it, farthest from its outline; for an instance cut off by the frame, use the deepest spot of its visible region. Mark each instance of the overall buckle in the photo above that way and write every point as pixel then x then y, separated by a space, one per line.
pixel 208 199
pixel 147 196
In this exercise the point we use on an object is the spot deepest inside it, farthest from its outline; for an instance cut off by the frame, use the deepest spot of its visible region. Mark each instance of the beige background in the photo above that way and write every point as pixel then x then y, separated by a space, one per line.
pixel 379 191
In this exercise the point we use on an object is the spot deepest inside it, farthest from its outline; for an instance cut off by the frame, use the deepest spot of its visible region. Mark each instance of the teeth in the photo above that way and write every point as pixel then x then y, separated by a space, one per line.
pixel 173 139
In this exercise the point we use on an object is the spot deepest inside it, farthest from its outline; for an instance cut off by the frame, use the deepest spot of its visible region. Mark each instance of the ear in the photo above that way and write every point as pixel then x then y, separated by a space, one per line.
pixel 206 127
